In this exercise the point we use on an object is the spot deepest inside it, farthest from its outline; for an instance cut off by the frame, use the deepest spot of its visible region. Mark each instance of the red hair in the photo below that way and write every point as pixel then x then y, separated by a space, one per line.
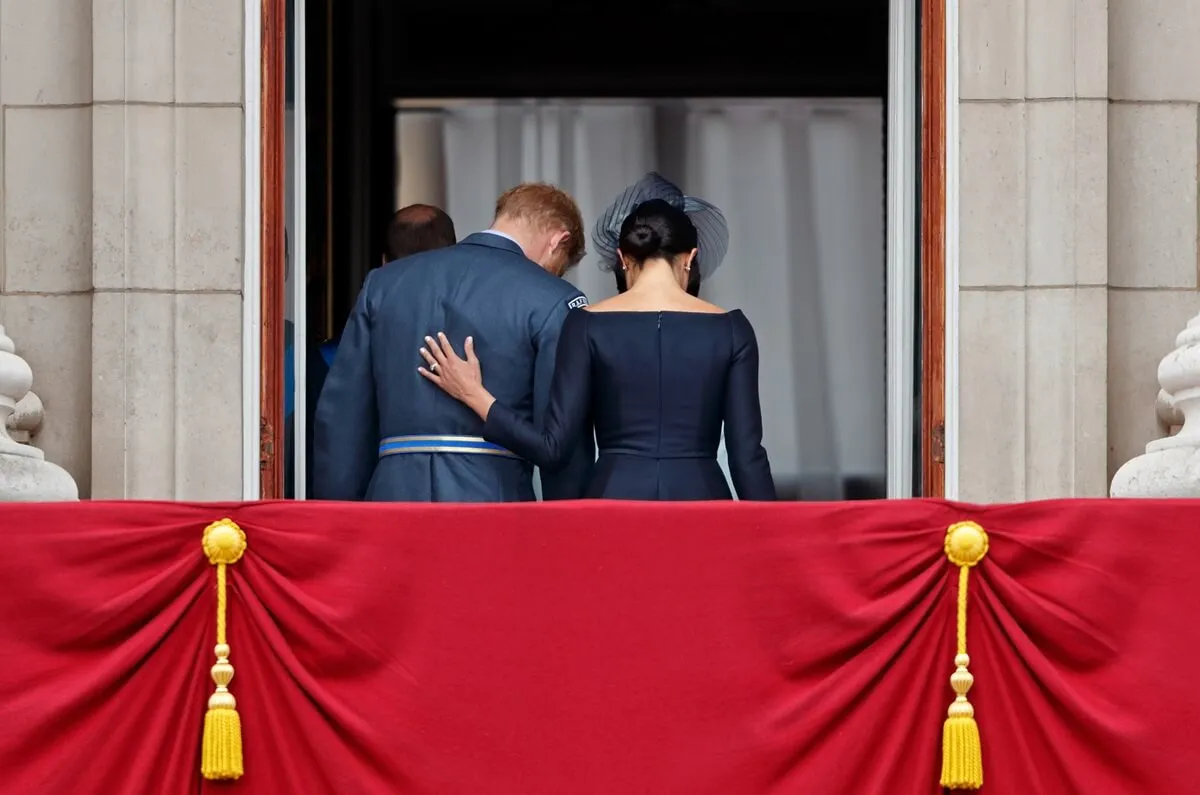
pixel 545 207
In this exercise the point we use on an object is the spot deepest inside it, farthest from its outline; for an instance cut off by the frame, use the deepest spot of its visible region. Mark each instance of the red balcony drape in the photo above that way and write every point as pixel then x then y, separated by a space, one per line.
pixel 600 648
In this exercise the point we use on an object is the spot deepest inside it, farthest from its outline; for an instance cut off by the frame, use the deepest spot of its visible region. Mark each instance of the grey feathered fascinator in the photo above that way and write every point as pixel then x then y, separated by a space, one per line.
pixel 710 224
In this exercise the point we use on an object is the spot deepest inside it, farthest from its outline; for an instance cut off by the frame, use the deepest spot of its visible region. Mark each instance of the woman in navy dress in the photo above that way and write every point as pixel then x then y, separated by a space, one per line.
pixel 655 371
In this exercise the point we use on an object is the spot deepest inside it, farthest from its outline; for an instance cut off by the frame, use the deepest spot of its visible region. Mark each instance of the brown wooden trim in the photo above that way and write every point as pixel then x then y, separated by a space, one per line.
pixel 933 247
pixel 274 275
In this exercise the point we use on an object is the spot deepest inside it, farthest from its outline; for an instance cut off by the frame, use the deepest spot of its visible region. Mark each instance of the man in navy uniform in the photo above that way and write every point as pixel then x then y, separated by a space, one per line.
pixel 382 434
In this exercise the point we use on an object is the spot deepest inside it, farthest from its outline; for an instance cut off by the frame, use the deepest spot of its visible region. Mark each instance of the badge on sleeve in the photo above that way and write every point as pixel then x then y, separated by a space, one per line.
pixel 577 302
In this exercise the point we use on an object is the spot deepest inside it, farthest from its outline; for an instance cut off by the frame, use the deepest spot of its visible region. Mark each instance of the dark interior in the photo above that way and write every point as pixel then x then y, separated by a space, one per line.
pixel 364 54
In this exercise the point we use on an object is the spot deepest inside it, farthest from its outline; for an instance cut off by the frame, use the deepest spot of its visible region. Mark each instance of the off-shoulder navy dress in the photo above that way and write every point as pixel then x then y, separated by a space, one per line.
pixel 656 387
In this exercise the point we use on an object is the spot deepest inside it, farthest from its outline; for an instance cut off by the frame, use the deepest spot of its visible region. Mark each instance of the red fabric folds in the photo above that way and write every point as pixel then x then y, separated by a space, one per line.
pixel 599 648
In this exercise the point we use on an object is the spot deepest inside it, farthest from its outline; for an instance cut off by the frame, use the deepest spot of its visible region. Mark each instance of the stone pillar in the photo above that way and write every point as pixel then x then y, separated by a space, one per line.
pixel 1033 302
pixel 166 235
pixel 1153 141
pixel 25 475
pixel 122 236
pixel 46 161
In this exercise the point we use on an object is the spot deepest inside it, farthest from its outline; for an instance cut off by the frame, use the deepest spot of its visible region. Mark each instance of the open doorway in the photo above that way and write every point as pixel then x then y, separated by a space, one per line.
pixel 778 117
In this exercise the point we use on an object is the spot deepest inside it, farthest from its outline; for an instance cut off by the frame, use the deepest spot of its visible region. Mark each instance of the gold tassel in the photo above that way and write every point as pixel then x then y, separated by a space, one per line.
pixel 221 751
pixel 962 755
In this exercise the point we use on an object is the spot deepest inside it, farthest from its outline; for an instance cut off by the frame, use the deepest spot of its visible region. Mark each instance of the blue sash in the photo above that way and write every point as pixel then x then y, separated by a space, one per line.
pixel 475 445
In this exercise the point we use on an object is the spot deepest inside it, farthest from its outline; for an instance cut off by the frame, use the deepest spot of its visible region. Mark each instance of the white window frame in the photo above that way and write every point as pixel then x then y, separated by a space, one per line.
pixel 252 255
pixel 903 156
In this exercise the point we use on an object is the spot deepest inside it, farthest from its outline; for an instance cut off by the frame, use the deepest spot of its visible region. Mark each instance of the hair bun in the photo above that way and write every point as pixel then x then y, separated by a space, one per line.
pixel 642 241
pixel 656 229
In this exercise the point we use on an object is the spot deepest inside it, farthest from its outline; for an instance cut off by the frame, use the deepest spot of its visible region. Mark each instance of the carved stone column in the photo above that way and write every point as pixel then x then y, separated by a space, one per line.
pixel 1170 466
pixel 25 475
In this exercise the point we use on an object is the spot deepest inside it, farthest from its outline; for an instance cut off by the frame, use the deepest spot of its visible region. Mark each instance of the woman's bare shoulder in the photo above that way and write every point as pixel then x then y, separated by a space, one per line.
pixel 702 306
pixel 614 304
pixel 630 303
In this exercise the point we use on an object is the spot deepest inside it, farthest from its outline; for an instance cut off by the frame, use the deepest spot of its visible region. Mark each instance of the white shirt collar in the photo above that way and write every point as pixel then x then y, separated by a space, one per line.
pixel 506 236
pixel 501 234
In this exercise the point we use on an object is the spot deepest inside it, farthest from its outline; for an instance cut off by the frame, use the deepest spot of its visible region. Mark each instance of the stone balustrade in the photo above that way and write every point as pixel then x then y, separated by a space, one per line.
pixel 25 474
pixel 1170 467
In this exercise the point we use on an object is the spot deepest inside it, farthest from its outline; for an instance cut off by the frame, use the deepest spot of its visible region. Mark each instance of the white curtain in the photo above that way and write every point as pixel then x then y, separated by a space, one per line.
pixel 801 183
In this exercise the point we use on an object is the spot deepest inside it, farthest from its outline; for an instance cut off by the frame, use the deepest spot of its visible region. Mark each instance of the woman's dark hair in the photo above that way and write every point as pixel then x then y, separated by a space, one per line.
pixel 655 229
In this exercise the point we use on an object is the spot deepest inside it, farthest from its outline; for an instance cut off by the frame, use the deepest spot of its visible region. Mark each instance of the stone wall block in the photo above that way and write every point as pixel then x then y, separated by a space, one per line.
pixel 209 204
pixel 992 384
pixel 133 216
pixel 1066 193
pixel 1152 195
pixel 992 43
pixel 992 221
pixel 1153 52
pixel 47 200
pixel 208 54
pixel 54 333
pixel 47 52
pixel 134 50
pixel 170 392
pixel 1066 363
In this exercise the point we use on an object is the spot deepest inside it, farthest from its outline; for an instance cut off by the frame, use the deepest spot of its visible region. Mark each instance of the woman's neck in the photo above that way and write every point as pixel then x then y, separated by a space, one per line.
pixel 655 276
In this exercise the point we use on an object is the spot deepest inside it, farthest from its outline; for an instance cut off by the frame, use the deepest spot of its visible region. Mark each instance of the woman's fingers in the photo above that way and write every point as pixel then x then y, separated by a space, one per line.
pixel 438 353
pixel 439 356
pixel 429 376
pixel 447 349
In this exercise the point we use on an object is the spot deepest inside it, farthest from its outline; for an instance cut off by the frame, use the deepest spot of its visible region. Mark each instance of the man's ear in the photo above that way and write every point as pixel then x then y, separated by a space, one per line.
pixel 559 239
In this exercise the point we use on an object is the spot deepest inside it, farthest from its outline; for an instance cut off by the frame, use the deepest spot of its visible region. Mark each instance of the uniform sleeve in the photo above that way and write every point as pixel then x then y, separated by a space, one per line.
pixel 748 464
pixel 346 425
pixel 559 440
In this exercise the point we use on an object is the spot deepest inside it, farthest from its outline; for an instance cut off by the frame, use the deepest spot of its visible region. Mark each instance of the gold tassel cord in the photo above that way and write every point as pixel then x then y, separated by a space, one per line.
pixel 962 756
pixel 221 751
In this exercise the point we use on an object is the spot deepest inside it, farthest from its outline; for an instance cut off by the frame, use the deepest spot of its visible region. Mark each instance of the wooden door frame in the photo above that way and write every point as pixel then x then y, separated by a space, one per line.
pixel 931 262
pixel 273 164
pixel 931 256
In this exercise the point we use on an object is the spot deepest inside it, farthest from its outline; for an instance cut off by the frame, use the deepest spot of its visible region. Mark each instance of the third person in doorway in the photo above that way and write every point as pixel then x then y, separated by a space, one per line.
pixel 413 229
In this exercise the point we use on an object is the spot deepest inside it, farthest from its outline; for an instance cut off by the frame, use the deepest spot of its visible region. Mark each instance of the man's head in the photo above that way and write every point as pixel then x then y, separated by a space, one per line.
pixel 417 228
pixel 546 223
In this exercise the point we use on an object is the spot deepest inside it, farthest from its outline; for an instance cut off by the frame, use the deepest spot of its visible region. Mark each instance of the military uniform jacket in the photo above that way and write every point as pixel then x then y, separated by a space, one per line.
pixel 484 287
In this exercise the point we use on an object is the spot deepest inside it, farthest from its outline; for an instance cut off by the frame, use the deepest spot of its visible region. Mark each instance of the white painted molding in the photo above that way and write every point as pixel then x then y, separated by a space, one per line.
pixel 252 238
pixel 299 237
pixel 952 266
